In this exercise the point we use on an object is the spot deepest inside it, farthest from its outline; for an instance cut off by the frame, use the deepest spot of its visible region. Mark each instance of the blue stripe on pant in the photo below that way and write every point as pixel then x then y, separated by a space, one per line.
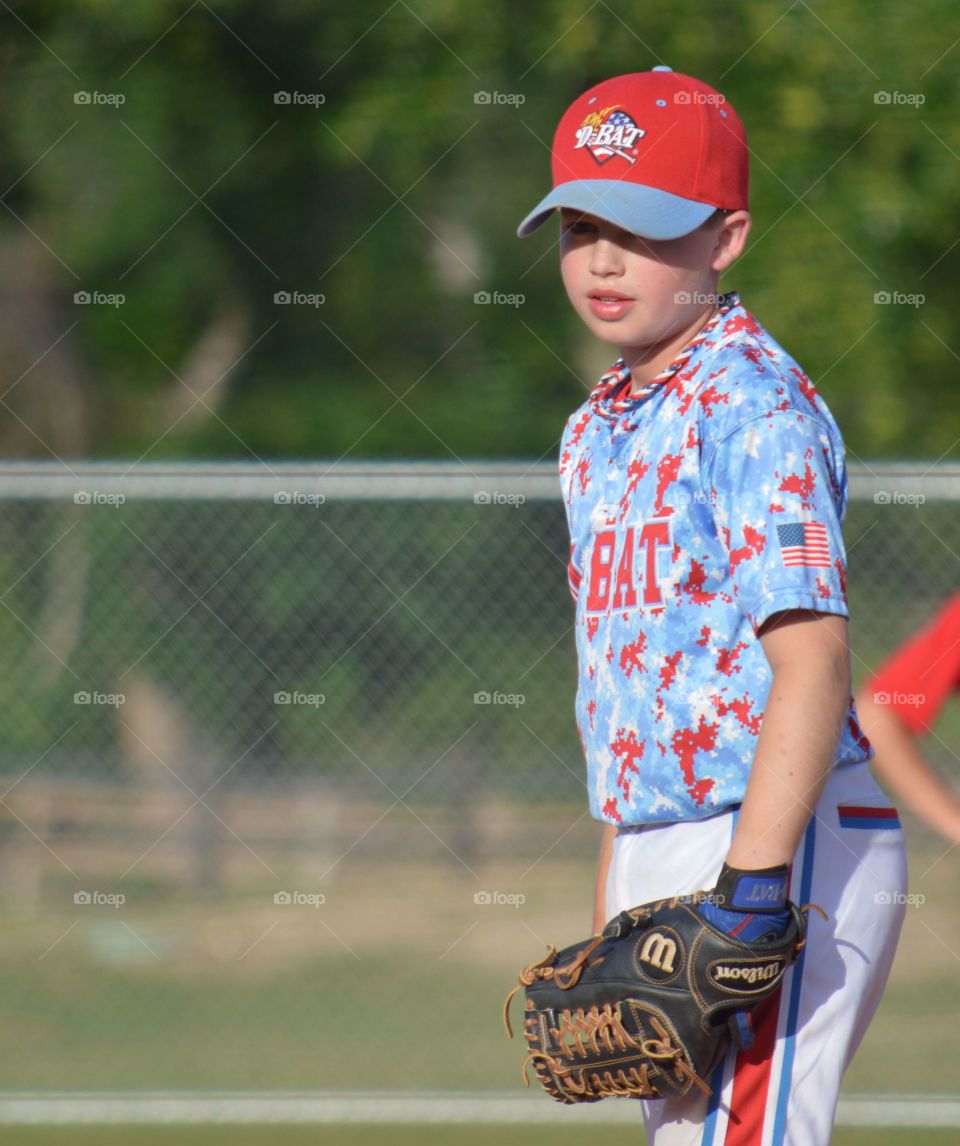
pixel 789 1051
pixel 716 1079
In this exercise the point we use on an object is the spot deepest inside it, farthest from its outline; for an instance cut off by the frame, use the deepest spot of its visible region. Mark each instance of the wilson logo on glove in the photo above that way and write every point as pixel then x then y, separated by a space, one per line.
pixel 744 976
pixel 646 1008
pixel 661 952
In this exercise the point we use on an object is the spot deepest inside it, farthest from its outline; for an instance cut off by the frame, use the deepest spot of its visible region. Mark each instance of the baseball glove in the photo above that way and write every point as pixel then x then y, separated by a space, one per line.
pixel 646 1008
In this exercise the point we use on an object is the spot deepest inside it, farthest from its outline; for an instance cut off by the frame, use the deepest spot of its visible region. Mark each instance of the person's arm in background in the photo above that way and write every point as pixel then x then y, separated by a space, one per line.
pixel 900 703
pixel 902 768
pixel 603 867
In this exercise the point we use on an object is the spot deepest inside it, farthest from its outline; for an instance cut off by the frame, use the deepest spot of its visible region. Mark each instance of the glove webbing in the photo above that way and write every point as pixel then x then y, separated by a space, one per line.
pixel 602 1024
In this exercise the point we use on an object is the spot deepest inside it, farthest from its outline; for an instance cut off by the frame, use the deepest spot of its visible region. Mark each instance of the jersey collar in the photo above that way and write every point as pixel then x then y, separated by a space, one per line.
pixel 611 396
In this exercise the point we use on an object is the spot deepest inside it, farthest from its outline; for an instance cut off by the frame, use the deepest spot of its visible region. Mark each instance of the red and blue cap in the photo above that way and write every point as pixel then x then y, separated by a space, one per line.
pixel 655 153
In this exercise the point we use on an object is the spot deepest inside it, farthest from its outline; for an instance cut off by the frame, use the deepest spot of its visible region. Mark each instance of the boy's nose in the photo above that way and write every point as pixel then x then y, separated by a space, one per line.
pixel 606 258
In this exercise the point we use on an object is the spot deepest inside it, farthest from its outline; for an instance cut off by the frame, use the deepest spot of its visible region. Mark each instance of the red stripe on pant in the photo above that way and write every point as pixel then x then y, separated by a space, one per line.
pixel 858 813
pixel 751 1078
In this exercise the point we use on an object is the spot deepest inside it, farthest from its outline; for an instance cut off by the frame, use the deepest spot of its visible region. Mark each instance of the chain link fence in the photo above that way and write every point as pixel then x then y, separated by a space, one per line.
pixel 289 766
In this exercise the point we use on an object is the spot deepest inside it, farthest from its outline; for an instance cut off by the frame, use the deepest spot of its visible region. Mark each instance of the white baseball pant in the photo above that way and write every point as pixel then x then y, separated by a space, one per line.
pixel 852 863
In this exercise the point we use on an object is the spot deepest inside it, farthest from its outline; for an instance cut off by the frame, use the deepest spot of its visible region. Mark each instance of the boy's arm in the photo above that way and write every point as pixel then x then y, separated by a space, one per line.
pixel 901 765
pixel 806 706
pixel 603 867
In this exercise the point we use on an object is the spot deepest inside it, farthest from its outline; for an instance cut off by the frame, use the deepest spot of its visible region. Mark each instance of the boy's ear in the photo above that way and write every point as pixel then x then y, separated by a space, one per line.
pixel 731 239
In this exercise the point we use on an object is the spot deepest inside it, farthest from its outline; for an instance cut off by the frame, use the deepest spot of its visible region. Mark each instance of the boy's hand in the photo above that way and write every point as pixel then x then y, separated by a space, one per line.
pixel 645 1009
pixel 750 905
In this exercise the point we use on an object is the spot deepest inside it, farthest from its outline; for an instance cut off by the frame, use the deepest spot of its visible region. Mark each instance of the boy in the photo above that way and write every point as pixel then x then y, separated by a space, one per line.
pixel 705 486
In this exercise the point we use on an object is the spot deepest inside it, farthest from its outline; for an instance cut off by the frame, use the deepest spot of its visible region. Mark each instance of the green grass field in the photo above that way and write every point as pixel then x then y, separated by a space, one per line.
pixel 396 983
pixel 394 1136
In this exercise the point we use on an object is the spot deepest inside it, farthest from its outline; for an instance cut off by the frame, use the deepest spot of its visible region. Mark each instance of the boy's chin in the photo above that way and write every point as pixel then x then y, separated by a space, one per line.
pixel 616 333
pixel 620 335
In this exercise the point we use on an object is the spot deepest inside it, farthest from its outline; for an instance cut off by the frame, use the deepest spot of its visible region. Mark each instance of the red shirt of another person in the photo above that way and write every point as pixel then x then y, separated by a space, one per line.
pixel 918 679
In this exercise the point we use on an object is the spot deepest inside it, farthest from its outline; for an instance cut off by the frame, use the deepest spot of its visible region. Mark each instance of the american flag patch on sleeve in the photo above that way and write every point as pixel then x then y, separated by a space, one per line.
pixel 804 543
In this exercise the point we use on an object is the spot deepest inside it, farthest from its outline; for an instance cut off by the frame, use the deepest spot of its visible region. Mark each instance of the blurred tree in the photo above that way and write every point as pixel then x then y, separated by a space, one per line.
pixel 380 155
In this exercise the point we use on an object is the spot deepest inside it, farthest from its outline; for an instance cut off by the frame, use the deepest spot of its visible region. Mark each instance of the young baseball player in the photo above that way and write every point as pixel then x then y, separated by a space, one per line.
pixel 705 486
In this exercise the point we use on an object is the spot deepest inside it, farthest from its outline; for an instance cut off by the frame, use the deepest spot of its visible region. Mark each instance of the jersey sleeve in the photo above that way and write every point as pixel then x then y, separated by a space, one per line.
pixel 778 485
pixel 920 676
pixel 568 472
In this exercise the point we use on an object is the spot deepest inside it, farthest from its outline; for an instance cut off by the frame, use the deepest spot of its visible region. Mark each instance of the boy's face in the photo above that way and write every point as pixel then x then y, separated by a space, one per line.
pixel 638 293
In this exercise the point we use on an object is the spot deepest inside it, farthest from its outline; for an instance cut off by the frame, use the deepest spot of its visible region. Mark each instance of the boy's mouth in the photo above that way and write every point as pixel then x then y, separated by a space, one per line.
pixel 609 304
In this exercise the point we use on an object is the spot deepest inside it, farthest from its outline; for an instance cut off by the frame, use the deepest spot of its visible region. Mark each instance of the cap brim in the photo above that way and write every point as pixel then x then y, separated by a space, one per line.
pixel 644 211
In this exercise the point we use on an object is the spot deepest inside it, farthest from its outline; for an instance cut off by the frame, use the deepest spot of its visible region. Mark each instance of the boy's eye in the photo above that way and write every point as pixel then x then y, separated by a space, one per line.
pixel 578 226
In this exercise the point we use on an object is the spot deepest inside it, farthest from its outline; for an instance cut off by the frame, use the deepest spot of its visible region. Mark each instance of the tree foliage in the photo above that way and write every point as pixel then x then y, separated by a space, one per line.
pixel 396 198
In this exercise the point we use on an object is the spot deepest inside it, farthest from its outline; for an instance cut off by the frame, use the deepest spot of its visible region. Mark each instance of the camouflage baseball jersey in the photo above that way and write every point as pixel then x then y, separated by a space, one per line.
pixel 698 506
